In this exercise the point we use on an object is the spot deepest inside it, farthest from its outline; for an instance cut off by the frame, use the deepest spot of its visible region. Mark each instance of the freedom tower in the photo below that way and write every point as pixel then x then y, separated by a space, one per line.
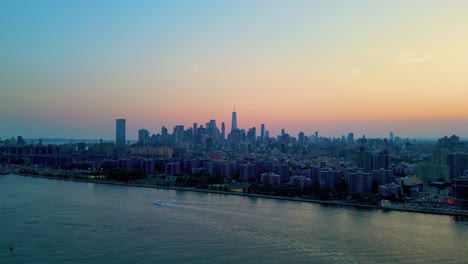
pixel 234 120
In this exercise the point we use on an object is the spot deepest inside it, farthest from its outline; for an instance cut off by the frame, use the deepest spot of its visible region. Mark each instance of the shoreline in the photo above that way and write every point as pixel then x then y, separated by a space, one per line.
pixel 296 199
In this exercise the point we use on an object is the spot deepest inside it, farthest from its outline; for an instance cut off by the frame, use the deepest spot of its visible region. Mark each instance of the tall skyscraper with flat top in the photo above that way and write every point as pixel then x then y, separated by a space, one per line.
pixel 262 133
pixel 234 120
pixel 223 131
pixel 120 132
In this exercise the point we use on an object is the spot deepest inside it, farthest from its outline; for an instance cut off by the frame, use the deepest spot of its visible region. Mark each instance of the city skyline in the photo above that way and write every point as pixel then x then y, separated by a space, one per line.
pixel 134 130
pixel 69 69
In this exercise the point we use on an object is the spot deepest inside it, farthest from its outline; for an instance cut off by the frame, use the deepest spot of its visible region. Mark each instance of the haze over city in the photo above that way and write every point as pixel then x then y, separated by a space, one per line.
pixel 68 69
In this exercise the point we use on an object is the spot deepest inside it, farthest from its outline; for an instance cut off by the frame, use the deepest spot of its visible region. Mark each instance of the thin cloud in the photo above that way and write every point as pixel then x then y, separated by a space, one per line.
pixel 424 58
pixel 413 58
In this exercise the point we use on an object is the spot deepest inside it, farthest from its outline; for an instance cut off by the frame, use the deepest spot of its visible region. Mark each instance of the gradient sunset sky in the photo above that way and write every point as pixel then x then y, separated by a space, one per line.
pixel 68 69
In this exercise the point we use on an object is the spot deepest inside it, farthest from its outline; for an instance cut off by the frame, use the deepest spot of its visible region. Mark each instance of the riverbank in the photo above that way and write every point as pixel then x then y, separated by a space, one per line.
pixel 296 199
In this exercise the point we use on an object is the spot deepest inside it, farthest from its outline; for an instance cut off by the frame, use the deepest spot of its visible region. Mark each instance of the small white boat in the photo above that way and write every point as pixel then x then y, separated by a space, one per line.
pixel 158 202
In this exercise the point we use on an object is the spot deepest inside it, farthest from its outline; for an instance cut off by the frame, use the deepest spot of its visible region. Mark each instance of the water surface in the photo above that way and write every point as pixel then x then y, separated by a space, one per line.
pixel 55 221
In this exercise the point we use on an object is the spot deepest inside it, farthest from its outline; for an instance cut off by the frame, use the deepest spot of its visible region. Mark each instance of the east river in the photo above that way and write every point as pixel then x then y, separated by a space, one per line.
pixel 55 221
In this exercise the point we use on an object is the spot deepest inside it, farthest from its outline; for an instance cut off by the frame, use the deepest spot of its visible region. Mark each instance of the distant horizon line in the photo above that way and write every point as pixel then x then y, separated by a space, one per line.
pixel 135 140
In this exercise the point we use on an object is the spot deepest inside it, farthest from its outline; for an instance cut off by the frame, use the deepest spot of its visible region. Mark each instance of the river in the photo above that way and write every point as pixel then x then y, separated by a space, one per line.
pixel 55 221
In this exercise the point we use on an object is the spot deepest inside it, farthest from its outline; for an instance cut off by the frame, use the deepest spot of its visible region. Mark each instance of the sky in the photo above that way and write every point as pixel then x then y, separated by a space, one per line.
pixel 68 69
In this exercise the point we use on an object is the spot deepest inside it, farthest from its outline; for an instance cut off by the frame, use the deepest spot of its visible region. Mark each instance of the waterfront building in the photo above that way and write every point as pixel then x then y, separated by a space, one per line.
pixel 329 178
pixel 460 188
pixel 458 163
pixel 410 184
pixel 283 171
pixel 172 168
pixel 390 190
pixel 305 183
pixel 270 178
pixel 359 182
pixel 247 172
pixel 382 176
pixel 430 172
pixel 209 167
pixel 147 166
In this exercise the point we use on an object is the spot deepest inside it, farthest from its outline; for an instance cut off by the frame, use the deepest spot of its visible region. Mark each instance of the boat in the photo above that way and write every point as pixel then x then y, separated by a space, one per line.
pixel 157 202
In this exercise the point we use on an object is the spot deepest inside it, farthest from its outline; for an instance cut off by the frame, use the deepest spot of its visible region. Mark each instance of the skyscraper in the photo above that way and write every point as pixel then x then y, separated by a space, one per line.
pixel 301 138
pixel 458 163
pixel 262 132
pixel 234 120
pixel 143 136
pixel 120 132
pixel 212 124
pixel 223 131
pixel 350 138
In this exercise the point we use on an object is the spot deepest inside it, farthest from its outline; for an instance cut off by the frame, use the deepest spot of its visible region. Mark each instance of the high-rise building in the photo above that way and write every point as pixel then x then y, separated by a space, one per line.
pixel 384 146
pixel 430 172
pixel 195 128
pixel 223 131
pixel 439 156
pixel 252 135
pixel 212 124
pixel 234 120
pixel 178 133
pixel 120 132
pixel 350 138
pixel 460 188
pixel 143 136
pixel 301 138
pixel 363 159
pixel 380 160
pixel 458 163
pixel 283 132
pixel 262 132
pixel 164 131
pixel 359 182
pixel 392 138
